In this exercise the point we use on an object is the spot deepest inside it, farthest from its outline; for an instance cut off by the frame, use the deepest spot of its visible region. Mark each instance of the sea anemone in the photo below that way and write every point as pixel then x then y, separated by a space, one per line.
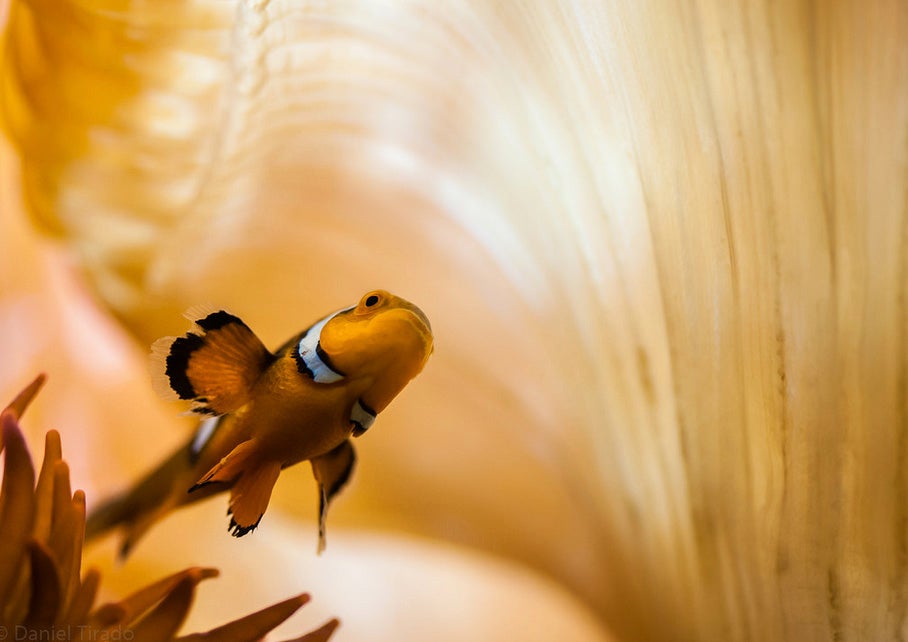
pixel 43 593
pixel 663 247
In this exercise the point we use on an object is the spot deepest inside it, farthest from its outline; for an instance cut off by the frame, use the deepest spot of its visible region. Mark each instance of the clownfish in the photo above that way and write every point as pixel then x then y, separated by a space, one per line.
pixel 266 411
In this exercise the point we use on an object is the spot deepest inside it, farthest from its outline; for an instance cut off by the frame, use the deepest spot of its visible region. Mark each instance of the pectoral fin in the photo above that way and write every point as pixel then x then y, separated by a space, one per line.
pixel 214 366
pixel 332 472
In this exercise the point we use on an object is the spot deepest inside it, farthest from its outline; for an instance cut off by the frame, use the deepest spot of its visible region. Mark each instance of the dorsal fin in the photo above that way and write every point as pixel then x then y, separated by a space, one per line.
pixel 214 365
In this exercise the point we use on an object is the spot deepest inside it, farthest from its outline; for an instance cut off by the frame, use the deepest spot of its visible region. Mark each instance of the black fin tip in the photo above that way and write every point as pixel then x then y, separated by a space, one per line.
pixel 178 363
pixel 218 319
pixel 239 531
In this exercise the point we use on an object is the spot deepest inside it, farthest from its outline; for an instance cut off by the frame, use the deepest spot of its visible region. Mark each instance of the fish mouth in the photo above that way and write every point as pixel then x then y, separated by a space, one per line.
pixel 412 315
pixel 414 318
pixel 422 317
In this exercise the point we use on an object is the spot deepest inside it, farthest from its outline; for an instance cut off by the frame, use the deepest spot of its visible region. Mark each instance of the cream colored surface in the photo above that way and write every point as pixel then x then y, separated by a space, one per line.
pixel 662 248
pixel 383 587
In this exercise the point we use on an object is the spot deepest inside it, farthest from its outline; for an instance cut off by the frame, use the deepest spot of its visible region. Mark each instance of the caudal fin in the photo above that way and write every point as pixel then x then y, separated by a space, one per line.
pixel 122 510
pixel 137 509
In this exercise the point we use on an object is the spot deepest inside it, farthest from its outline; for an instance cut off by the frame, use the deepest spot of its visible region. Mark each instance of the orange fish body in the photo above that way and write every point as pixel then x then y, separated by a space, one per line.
pixel 268 411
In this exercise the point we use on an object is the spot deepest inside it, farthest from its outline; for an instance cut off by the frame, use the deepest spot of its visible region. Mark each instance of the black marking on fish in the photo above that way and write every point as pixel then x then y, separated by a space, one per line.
pixel 362 417
pixel 326 359
pixel 301 364
pixel 219 319
pixel 178 363
pixel 204 410
pixel 343 479
pixel 367 408
pixel 238 531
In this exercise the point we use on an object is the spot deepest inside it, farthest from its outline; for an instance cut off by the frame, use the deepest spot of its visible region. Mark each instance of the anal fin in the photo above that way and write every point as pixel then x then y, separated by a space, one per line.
pixel 332 471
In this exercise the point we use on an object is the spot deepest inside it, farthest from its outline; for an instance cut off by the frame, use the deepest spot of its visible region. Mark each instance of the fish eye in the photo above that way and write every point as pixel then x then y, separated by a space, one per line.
pixel 371 300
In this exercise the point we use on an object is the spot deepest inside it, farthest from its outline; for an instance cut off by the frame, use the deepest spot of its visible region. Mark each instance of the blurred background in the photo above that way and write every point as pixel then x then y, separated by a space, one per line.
pixel 662 248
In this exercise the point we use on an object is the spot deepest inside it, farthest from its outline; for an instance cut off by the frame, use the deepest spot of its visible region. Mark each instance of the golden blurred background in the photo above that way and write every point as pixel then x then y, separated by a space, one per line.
pixel 662 246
